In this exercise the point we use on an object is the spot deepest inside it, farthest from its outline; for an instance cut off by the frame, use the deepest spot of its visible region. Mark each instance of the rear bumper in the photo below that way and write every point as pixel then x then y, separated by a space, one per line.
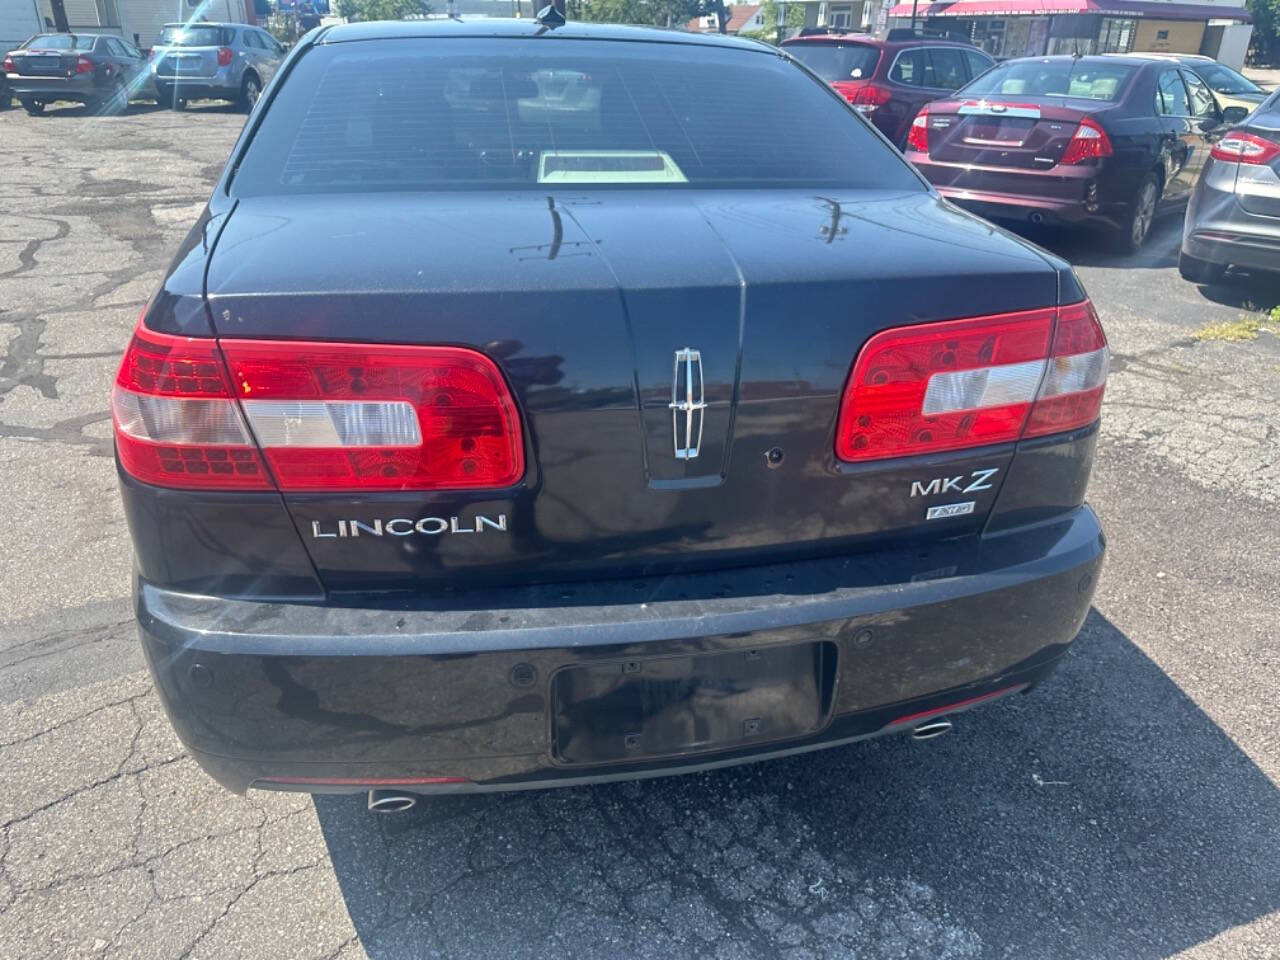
pixel 223 85
pixel 1219 230
pixel 1069 195
pixel 338 699
pixel 80 89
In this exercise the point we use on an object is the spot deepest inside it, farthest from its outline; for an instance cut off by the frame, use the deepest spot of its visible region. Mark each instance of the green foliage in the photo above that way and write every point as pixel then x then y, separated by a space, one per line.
pixel 1265 45
pixel 660 13
pixel 382 9
pixel 769 33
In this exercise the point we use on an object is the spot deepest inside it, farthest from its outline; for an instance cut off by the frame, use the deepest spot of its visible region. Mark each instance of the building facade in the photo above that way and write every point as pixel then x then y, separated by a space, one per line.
pixel 141 20
pixel 1022 28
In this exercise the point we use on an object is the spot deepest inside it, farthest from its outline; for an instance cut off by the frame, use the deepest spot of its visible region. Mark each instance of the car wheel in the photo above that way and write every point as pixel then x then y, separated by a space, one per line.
pixel 33 107
pixel 250 91
pixel 1200 271
pixel 118 101
pixel 177 103
pixel 1137 222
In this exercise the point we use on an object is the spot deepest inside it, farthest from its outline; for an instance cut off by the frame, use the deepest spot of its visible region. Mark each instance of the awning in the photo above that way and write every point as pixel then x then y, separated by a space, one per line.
pixel 1038 8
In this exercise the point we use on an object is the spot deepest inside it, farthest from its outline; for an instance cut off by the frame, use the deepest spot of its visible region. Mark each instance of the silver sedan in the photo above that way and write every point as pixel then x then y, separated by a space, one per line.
pixel 1233 219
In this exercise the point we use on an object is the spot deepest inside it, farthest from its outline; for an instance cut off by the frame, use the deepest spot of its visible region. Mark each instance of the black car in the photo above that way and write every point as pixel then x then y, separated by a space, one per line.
pixel 101 71
pixel 1103 141
pixel 539 406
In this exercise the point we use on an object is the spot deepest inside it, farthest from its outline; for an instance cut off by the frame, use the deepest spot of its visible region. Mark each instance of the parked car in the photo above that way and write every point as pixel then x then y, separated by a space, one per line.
pixel 214 61
pixel 888 81
pixel 1101 140
pixel 101 71
pixel 1234 215
pixel 482 437
pixel 1229 88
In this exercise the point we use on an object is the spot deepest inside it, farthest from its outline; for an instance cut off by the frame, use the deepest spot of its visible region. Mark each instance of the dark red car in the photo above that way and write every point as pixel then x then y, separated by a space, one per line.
pixel 1107 141
pixel 888 81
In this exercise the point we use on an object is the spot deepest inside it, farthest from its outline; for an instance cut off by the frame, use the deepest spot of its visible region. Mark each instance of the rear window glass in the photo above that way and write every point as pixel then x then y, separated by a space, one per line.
pixel 60 41
pixel 1224 79
pixel 194 36
pixel 1077 79
pixel 837 61
pixel 413 114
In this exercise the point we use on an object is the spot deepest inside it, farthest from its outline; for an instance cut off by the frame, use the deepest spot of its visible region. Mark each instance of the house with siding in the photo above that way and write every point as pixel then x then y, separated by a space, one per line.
pixel 141 20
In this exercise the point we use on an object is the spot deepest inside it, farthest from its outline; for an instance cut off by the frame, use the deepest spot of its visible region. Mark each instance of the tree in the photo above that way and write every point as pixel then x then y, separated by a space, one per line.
pixel 771 32
pixel 1265 45
pixel 382 9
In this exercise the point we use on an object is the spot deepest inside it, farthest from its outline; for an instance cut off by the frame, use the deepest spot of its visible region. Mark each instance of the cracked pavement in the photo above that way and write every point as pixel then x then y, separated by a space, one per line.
pixel 1128 808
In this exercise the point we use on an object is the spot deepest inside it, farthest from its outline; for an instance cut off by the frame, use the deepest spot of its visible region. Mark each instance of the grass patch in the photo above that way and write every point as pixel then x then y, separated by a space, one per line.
pixel 1246 328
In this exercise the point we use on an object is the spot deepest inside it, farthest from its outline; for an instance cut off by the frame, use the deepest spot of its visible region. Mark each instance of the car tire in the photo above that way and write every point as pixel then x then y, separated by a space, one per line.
pixel 33 107
pixel 1139 217
pixel 117 102
pixel 250 91
pixel 1199 271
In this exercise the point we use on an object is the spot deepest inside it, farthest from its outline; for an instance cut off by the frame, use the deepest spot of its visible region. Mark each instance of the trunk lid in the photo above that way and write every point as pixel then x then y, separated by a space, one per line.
pixel 584 301
pixel 1027 134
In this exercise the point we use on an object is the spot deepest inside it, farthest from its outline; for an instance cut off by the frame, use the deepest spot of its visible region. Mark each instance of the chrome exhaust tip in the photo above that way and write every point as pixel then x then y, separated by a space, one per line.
pixel 934 728
pixel 390 801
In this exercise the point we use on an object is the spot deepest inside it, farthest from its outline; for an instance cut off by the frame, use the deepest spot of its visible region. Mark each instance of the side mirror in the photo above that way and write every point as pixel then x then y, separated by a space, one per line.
pixel 1233 115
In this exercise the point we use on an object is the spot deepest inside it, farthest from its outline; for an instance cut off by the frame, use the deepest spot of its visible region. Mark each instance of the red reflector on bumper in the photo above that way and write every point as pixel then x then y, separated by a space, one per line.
pixel 915 718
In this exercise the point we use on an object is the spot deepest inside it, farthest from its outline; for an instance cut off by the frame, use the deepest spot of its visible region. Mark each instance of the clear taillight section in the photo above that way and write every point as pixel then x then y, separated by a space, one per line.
pixel 305 416
pixel 966 383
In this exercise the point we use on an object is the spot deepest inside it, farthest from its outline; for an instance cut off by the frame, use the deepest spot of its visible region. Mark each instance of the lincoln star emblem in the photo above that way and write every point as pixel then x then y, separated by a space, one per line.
pixel 687 403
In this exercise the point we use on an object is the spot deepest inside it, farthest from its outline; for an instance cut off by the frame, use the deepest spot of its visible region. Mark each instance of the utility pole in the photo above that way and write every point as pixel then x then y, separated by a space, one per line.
pixel 60 16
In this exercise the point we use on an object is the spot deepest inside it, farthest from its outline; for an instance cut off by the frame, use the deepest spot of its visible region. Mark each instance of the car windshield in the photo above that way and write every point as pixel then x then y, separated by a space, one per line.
pixel 1075 79
pixel 1225 80
pixel 193 36
pixel 400 114
pixel 60 41
pixel 837 61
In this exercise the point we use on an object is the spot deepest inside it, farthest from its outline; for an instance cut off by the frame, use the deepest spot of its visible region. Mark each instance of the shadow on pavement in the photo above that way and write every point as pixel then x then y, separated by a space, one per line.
pixel 1092 248
pixel 1104 815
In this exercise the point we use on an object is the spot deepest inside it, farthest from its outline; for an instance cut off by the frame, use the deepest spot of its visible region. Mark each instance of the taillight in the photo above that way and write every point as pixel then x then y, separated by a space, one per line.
pixel 1240 147
pixel 1089 142
pixel 176 419
pixel 918 135
pixel 967 383
pixel 324 416
pixel 9 65
pixel 364 417
pixel 224 56
pixel 84 64
pixel 865 96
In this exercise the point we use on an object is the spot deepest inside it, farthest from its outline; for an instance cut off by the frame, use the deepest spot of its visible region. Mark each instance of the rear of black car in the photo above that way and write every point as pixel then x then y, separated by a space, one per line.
pixel 54 67
pixel 535 410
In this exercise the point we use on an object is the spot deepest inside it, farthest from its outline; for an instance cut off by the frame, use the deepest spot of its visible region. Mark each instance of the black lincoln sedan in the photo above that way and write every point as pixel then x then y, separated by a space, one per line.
pixel 537 406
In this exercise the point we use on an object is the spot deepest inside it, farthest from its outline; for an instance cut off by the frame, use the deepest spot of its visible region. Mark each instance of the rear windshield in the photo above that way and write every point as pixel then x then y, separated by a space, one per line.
pixel 1077 79
pixel 446 113
pixel 837 61
pixel 60 41
pixel 194 36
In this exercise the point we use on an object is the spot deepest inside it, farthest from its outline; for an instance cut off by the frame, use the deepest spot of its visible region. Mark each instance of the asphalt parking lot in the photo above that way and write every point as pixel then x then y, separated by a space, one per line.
pixel 1128 808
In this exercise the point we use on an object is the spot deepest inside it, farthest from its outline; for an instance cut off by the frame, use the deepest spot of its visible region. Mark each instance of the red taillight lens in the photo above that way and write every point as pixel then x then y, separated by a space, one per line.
pixel 918 135
pixel 967 383
pixel 84 64
pixel 224 56
pixel 1089 142
pixel 1240 147
pixel 332 416
pixel 9 66
pixel 325 416
pixel 176 419
pixel 864 95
